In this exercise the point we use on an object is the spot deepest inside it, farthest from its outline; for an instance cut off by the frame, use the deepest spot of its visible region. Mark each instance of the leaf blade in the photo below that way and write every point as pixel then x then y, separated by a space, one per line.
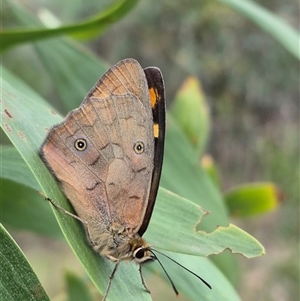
pixel 281 31
pixel 18 281
pixel 94 25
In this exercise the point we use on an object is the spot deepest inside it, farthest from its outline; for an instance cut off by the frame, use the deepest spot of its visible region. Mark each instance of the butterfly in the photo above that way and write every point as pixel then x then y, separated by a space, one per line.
pixel 107 156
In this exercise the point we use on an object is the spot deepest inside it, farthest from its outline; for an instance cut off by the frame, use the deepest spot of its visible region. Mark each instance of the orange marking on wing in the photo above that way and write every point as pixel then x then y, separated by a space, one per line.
pixel 153 97
pixel 156 130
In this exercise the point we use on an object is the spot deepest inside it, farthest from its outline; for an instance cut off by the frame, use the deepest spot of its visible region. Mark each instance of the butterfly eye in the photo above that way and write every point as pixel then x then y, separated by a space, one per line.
pixel 139 147
pixel 80 144
pixel 140 253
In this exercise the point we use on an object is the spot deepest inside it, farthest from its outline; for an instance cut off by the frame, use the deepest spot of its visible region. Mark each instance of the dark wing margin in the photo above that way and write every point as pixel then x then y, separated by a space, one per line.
pixel 157 97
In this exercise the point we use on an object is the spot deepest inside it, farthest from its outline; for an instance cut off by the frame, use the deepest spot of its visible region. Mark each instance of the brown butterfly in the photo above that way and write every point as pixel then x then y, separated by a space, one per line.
pixel 107 157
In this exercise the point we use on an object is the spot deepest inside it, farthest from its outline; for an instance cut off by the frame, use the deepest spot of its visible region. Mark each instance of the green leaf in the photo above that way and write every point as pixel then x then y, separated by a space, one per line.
pixel 77 288
pixel 26 119
pixel 92 26
pixel 21 204
pixel 14 168
pixel 23 208
pixel 190 111
pixel 253 198
pixel 280 30
pixel 182 236
pixel 18 281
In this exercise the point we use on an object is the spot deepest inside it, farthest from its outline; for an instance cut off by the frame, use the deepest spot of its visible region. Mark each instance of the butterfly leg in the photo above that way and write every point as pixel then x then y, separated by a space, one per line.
pixel 110 280
pixel 85 223
pixel 65 211
pixel 143 280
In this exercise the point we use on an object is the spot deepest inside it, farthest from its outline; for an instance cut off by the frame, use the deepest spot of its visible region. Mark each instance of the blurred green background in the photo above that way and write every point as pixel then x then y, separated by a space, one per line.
pixel 251 84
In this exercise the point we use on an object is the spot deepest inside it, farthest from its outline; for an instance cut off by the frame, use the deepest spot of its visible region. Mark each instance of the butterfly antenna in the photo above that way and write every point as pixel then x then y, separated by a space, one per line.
pixel 171 281
pixel 207 284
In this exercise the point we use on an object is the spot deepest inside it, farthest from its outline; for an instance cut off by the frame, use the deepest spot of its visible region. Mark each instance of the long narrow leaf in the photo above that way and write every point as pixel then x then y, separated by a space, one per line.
pixel 18 281
pixel 287 36
pixel 94 25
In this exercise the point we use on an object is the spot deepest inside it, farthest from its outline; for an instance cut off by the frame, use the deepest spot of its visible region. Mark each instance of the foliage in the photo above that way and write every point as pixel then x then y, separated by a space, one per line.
pixel 72 70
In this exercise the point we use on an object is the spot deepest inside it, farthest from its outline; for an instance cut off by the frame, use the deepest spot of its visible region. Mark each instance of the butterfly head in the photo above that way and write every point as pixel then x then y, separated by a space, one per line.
pixel 141 251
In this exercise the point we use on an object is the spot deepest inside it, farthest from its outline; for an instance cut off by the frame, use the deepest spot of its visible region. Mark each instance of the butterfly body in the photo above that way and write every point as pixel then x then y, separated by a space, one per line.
pixel 119 244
